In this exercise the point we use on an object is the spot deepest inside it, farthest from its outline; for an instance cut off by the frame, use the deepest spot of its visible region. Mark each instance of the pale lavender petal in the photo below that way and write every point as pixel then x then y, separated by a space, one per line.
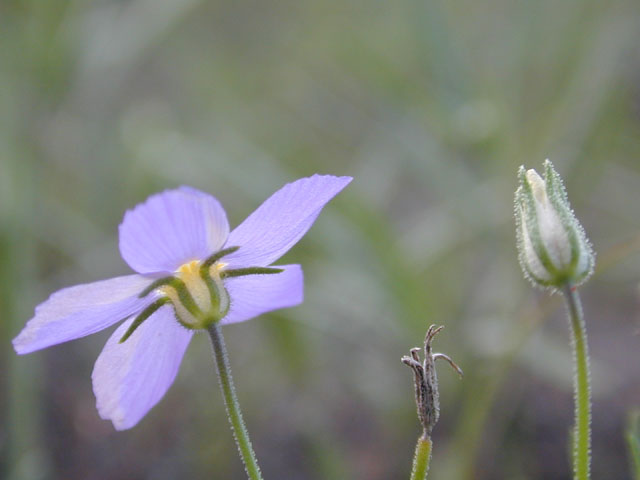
pixel 278 224
pixel 254 295
pixel 172 228
pixel 78 311
pixel 129 378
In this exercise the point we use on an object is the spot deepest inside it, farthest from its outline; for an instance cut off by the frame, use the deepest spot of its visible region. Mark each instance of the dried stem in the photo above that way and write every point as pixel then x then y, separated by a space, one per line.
pixel 427 398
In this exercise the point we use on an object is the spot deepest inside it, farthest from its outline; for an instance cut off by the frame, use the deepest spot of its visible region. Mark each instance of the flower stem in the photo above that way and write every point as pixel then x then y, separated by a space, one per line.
pixel 582 389
pixel 421 458
pixel 231 402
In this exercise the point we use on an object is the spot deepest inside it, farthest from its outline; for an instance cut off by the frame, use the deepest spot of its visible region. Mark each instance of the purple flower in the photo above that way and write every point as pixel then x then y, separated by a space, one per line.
pixel 191 272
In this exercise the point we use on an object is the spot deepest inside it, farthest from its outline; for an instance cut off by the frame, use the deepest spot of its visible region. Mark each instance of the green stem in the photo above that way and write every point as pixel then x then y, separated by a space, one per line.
pixel 582 389
pixel 421 458
pixel 231 402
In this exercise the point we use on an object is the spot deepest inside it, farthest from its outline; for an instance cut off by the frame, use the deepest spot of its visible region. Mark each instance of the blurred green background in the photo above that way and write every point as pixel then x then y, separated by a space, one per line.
pixel 431 106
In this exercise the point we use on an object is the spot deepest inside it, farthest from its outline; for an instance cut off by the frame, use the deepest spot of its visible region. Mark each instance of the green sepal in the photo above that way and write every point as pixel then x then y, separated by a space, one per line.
pixel 146 313
pixel 241 272
pixel 557 195
pixel 578 242
pixel 185 298
pixel 181 289
pixel 216 290
pixel 520 225
pixel 217 256
pixel 161 282
pixel 530 217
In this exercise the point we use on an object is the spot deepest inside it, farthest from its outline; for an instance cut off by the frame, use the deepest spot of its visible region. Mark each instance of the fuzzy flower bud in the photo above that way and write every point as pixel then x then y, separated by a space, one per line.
pixel 552 246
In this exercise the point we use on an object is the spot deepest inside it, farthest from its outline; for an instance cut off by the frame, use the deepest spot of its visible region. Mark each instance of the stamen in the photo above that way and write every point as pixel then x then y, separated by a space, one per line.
pixel 146 313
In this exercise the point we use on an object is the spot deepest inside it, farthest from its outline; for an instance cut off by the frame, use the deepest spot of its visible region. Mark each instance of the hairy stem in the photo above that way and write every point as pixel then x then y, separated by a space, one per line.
pixel 582 388
pixel 421 458
pixel 231 402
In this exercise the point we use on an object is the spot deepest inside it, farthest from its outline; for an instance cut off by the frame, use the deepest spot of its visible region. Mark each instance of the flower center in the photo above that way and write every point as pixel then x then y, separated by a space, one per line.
pixel 197 294
pixel 196 291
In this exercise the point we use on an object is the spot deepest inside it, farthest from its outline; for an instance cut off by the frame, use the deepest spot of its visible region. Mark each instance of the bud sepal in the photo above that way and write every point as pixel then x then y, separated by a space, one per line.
pixel 552 246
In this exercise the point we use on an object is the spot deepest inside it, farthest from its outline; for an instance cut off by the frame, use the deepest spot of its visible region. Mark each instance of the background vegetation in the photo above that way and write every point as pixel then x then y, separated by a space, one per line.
pixel 431 106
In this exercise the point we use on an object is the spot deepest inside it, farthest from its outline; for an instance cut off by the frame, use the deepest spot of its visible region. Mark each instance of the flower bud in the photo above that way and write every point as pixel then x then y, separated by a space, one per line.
pixel 552 246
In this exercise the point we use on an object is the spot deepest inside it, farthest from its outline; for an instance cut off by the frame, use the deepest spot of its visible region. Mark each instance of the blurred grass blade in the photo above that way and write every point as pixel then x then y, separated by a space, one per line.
pixel 633 442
